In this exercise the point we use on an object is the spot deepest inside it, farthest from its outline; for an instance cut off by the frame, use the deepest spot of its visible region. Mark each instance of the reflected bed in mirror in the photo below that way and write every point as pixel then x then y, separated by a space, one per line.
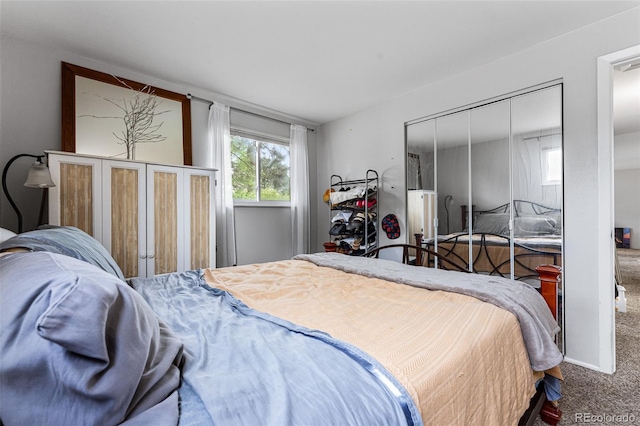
pixel 537 240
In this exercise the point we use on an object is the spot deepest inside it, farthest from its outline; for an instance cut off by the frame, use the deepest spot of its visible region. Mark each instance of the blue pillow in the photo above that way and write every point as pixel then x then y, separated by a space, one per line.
pixel 79 346
pixel 69 241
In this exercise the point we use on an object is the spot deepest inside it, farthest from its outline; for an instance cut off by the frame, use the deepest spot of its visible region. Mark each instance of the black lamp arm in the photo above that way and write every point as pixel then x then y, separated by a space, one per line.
pixel 6 191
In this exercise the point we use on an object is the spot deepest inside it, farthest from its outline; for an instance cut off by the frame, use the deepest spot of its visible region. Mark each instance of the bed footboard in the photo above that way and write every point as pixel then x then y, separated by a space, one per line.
pixel 549 413
pixel 549 277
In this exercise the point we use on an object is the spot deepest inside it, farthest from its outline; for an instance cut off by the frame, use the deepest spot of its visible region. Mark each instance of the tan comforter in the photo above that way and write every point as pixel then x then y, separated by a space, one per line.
pixel 463 361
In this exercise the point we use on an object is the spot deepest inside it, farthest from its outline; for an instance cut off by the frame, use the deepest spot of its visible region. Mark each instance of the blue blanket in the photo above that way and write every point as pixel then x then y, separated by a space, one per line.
pixel 245 367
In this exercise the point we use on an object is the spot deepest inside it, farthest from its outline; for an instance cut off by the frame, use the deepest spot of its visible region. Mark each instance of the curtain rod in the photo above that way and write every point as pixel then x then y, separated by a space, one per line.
pixel 543 136
pixel 190 96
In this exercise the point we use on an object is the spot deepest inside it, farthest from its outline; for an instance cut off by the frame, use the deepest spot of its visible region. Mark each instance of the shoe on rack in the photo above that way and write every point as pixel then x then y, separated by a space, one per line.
pixel 369 203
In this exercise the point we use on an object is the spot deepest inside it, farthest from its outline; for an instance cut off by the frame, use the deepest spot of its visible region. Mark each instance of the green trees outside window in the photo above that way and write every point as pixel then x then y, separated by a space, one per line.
pixel 260 170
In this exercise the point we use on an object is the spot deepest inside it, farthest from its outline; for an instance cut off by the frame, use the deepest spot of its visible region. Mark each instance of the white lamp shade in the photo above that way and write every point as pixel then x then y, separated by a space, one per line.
pixel 39 176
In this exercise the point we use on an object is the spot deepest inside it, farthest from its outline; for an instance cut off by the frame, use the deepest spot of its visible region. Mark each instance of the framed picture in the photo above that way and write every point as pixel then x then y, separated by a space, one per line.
pixel 109 116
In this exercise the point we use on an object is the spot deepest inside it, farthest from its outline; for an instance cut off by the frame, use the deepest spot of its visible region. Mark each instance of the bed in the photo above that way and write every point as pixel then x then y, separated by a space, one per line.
pixel 537 240
pixel 320 339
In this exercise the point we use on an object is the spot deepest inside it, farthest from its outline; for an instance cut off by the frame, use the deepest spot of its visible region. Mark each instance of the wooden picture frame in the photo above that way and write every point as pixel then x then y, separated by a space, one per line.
pixel 179 117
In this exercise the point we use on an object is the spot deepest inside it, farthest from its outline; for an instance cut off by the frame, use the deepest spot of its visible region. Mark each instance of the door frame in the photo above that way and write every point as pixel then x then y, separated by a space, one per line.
pixel 605 231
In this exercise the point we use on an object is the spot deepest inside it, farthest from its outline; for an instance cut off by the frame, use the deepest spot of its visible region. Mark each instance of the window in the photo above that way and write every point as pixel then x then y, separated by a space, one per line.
pixel 260 169
pixel 551 166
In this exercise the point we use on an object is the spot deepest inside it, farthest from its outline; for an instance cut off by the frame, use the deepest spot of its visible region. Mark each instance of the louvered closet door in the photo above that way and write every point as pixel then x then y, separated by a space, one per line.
pixel 76 200
pixel 124 229
pixel 165 220
pixel 200 218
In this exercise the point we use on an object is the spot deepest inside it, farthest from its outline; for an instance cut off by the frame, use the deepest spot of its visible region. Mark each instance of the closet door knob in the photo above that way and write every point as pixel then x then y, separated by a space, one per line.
pixel 150 256
pixel 143 256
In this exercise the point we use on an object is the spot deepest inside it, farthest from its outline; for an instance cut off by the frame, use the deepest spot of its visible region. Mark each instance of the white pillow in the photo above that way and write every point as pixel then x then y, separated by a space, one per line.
pixel 5 234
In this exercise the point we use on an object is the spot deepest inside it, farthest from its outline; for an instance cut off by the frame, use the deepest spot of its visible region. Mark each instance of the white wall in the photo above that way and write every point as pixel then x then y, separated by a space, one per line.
pixel 627 151
pixel 29 120
pixel 30 99
pixel 265 234
pixel 374 138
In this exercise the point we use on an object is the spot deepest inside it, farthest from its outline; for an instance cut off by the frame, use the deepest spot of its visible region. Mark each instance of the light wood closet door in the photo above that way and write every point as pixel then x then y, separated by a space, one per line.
pixel 200 227
pixel 153 219
pixel 76 199
pixel 165 219
pixel 124 231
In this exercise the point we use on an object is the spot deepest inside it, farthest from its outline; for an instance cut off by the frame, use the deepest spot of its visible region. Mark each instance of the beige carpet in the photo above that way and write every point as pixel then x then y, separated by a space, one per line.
pixel 595 398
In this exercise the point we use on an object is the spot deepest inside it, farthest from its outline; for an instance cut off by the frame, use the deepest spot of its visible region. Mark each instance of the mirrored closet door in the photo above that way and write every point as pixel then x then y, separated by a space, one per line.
pixel 485 184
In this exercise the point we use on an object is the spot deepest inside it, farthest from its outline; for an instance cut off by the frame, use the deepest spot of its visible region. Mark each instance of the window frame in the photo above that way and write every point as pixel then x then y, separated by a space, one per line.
pixel 261 137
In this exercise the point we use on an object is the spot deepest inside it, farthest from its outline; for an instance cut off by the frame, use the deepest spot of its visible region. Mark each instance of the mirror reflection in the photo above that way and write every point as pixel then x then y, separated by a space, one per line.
pixel 420 179
pixel 485 184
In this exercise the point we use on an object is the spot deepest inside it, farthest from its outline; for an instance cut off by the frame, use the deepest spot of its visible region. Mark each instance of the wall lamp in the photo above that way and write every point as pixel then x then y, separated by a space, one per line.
pixel 39 177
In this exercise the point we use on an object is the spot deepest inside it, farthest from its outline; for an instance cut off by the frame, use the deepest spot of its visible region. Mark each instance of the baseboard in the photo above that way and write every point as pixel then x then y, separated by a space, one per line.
pixel 585 365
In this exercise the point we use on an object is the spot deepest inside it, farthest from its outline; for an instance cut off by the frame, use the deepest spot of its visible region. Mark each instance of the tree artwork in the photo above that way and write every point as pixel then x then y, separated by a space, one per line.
pixel 138 115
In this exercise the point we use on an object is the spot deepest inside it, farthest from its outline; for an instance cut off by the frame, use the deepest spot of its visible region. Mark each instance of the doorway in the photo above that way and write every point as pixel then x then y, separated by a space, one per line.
pixel 626 152
pixel 606 168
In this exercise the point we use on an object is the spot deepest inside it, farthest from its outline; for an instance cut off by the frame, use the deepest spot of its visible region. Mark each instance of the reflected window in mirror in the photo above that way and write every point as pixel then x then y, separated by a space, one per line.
pixel 414 171
pixel 551 166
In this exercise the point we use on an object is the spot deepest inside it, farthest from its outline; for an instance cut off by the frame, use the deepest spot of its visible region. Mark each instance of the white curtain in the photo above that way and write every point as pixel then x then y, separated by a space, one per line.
pixel 219 157
pixel 299 189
